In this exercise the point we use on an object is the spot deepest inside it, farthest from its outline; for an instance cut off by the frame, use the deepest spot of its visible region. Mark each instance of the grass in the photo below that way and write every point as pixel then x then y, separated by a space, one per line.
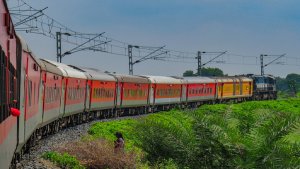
pixel 63 160
pixel 107 130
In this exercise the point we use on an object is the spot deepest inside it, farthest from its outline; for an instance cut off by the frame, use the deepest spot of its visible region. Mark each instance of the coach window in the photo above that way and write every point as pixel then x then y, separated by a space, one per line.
pixel 107 93
pixel 99 93
pixel 125 93
pixel 111 93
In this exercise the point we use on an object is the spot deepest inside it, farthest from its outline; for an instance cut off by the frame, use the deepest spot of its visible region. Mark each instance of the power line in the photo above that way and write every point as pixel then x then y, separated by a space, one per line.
pixel 31 20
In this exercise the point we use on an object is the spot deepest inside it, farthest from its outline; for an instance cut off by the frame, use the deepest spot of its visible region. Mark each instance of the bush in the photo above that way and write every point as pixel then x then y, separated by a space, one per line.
pixel 99 154
pixel 257 134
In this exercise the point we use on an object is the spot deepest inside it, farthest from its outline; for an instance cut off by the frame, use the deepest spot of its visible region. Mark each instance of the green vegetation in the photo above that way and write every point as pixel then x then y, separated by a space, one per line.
pixel 63 160
pixel 107 130
pixel 264 134
pixel 288 86
pixel 205 72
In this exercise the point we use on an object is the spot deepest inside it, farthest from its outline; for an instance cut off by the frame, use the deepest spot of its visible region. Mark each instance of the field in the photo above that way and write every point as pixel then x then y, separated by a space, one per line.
pixel 258 134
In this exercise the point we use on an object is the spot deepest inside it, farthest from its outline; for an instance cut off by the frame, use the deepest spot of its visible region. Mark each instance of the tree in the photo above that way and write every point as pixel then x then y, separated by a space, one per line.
pixel 281 84
pixel 205 72
pixel 212 72
pixel 293 81
pixel 188 73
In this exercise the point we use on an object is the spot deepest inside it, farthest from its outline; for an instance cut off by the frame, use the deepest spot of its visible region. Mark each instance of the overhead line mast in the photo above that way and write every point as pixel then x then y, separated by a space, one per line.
pixel 199 58
pixel 262 65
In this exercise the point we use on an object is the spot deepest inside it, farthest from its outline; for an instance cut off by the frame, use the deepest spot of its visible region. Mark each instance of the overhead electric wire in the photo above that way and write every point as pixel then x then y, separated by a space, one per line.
pixel 47 26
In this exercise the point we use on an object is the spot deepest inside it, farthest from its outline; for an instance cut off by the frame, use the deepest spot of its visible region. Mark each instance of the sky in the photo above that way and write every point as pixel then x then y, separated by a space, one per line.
pixel 241 27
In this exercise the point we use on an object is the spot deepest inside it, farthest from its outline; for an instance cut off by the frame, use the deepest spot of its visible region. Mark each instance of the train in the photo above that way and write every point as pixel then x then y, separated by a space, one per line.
pixel 39 97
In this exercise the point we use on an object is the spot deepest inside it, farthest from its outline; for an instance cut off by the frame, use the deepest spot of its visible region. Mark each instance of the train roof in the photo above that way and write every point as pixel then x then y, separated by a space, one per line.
pixel 163 79
pixel 95 74
pixel 130 78
pixel 245 78
pixel 270 76
pixel 199 79
pixel 231 78
pixel 67 70
pixel 46 66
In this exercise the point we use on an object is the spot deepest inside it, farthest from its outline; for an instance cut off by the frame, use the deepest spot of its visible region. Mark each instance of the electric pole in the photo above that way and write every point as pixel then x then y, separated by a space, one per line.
pixel 151 55
pixel 199 72
pixel 262 65
pixel 130 59
pixel 58 47
pixel 262 72
pixel 199 58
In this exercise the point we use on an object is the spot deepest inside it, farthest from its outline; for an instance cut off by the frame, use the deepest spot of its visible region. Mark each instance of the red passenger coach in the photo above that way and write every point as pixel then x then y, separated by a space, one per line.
pixel 52 84
pixel 164 91
pixel 102 90
pixel 9 86
pixel 74 89
pixel 200 89
pixel 132 92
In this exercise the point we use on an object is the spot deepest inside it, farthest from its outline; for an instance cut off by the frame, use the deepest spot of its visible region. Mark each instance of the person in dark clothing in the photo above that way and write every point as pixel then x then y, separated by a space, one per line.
pixel 119 143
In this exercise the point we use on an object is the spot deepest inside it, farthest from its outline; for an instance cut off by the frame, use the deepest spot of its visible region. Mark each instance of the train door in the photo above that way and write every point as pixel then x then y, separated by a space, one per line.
pixel 241 86
pixel 152 93
pixel 183 93
pixel 238 86
pixel 63 95
pixel 44 82
pixel 220 86
pixel 88 94
pixel 119 93
pixel 234 86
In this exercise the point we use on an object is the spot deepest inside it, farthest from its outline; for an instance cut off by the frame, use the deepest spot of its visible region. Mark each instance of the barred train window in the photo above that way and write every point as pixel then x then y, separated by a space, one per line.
pixel 6 69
